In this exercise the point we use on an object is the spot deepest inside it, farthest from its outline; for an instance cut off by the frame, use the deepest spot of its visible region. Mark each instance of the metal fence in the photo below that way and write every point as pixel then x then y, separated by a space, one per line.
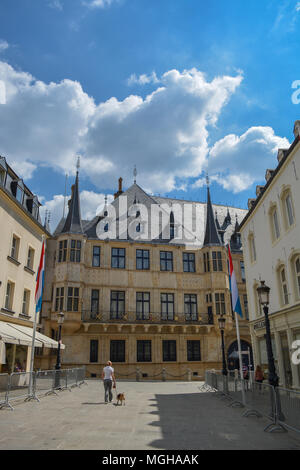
pixel 19 386
pixel 281 406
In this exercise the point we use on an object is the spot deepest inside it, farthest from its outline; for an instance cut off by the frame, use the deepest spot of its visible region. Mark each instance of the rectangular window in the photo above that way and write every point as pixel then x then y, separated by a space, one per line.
pixel 96 256
pixel 143 351
pixel 190 307
pixel 95 301
pixel 75 252
pixel 142 259
pixel 9 295
pixel 59 299
pixel 118 258
pixel 220 304
pixel 167 306
pixel 94 350
pixel 117 305
pixel 206 262
pixel 73 299
pixel 166 261
pixel 117 351
pixel 15 247
pixel 25 303
pixel 189 262
pixel 62 251
pixel 169 350
pixel 142 305
pixel 208 298
pixel 30 258
pixel 246 306
pixel 217 261
pixel 193 351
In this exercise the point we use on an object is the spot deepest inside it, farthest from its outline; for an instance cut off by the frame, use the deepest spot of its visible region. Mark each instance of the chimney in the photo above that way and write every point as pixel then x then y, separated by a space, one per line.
pixel 120 191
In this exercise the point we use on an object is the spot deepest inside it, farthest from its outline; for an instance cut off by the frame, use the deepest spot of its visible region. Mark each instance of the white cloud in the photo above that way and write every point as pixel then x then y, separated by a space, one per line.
pixel 3 45
pixel 143 79
pixel 56 4
pixel 297 6
pixel 165 133
pixel 99 3
pixel 236 162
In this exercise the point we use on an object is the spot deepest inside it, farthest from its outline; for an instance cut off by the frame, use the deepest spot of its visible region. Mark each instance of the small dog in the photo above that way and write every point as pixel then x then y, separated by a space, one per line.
pixel 120 398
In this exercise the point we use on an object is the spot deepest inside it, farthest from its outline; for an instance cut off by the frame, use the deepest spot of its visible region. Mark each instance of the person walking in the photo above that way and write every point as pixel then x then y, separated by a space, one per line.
pixel 109 381
pixel 259 376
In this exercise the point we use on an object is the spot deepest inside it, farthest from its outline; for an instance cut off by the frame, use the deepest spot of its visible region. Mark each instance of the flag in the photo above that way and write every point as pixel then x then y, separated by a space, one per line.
pixel 40 281
pixel 236 304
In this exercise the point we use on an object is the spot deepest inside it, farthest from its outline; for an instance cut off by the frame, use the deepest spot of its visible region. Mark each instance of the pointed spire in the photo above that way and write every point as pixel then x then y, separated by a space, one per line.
pixel 73 222
pixel 237 226
pixel 217 222
pixel 134 174
pixel 211 234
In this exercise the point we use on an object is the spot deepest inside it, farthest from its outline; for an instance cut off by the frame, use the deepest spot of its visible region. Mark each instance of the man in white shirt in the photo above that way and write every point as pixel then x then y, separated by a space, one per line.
pixel 108 380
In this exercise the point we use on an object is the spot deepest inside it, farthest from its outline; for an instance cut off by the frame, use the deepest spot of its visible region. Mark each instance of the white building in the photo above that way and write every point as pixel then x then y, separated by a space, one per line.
pixel 271 242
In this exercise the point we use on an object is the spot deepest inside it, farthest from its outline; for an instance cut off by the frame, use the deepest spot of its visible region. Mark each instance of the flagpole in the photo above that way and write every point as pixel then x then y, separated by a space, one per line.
pixel 238 336
pixel 31 394
pixel 240 356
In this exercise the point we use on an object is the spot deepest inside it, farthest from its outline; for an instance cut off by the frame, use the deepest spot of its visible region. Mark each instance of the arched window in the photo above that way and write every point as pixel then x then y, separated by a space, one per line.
pixel 172 226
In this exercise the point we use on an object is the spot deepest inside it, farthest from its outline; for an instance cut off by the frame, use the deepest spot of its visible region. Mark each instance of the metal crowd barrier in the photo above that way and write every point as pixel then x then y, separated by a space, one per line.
pixel 17 385
pixel 281 406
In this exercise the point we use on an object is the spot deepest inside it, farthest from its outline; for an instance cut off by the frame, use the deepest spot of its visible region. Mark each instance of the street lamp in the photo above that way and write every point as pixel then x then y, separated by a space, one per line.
pixel 60 321
pixel 264 300
pixel 222 321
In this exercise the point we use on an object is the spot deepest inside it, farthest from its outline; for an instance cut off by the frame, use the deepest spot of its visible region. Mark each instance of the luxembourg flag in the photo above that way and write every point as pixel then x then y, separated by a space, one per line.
pixel 40 281
pixel 236 304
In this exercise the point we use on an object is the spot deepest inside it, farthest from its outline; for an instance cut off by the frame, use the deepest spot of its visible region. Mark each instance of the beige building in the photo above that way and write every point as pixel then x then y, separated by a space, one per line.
pixel 142 301
pixel 271 241
pixel 21 234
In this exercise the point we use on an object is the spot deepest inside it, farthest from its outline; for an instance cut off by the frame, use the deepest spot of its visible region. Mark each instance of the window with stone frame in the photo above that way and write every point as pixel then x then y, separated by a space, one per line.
pixel 143 348
pixel 142 259
pixel 73 299
pixel 117 305
pixel 167 306
pixel 142 305
pixel 190 307
pixel 95 301
pixel 75 251
pixel 220 303
pixel 284 286
pixel 94 346
pixel 118 258
pixel 169 350
pixel 189 262
pixel 297 272
pixel 206 262
pixel 166 261
pixel 59 299
pixel 15 245
pixel 96 256
pixel 217 261
pixel 30 258
pixel 25 302
pixel 117 350
pixel 62 251
pixel 193 350
pixel 10 287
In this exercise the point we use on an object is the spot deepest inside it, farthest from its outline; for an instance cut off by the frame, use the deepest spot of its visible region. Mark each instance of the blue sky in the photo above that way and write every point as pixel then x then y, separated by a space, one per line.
pixel 177 87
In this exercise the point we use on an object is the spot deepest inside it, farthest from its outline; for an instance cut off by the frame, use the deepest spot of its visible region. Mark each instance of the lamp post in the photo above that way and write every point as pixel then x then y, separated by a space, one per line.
pixel 264 300
pixel 60 321
pixel 222 321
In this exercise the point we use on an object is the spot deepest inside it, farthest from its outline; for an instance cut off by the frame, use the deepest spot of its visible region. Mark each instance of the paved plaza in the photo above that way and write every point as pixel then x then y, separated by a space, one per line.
pixel 157 416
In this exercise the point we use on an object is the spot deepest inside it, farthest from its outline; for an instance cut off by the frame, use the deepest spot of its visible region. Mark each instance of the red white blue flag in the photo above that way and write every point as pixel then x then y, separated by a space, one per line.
pixel 40 281
pixel 236 304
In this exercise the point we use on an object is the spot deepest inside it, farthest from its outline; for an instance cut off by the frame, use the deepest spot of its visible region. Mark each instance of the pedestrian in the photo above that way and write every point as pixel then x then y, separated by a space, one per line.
pixel 109 381
pixel 245 373
pixel 259 375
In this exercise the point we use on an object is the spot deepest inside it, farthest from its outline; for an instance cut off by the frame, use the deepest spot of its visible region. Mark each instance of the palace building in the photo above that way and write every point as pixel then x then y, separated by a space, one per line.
pixel 142 284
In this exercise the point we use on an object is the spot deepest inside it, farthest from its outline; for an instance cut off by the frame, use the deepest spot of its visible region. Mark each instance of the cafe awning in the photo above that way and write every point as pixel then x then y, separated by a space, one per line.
pixel 19 334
